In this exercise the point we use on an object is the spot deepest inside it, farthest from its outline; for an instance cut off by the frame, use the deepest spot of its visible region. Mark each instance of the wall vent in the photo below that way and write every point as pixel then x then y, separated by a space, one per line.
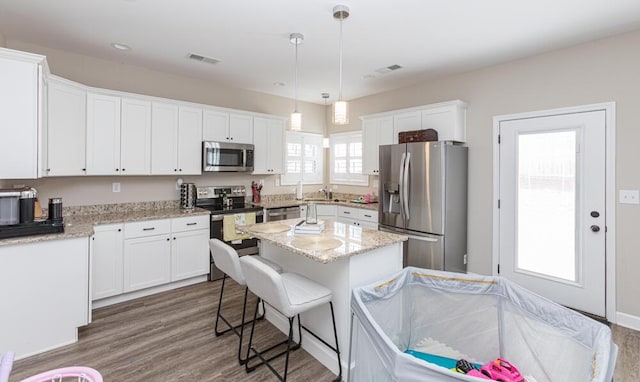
pixel 388 69
pixel 201 58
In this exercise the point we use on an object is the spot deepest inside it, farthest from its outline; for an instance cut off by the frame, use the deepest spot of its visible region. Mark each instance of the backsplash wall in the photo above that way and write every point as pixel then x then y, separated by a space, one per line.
pixel 91 190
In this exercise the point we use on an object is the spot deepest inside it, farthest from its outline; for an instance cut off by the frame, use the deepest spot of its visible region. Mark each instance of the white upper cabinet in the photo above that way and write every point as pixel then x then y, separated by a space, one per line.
pixel 268 135
pixel 215 126
pixel 103 134
pixel 189 140
pixel 240 128
pixel 164 138
pixel 219 126
pixel 448 120
pixel 66 128
pixel 135 137
pixel 176 139
pixel 20 120
pixel 375 132
pixel 406 122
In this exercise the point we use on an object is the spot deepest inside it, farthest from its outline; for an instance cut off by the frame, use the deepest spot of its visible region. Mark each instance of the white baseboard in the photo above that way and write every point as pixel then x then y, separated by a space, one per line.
pixel 628 321
pixel 146 292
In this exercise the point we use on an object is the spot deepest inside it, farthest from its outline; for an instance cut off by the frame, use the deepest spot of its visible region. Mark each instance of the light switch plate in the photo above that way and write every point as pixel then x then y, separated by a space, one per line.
pixel 629 197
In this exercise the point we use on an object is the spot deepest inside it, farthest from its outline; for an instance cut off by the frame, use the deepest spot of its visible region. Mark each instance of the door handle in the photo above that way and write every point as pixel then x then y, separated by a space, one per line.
pixel 421 238
pixel 405 186
pixel 401 182
pixel 595 228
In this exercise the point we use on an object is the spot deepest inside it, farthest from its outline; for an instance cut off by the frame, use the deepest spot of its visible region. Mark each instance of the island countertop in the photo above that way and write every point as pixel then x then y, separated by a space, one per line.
pixel 343 240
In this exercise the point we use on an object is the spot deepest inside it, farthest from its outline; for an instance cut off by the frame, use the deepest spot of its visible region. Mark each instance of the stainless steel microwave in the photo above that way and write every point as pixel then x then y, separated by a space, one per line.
pixel 222 156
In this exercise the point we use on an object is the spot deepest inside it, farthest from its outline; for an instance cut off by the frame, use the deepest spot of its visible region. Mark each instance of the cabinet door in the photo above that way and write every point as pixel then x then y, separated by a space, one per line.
pixel 164 138
pixel 406 122
pixel 107 264
pixel 370 144
pixel 448 121
pixel 240 128
pixel 135 134
pixel 66 124
pixel 215 126
pixel 103 134
pixel 190 141
pixel 189 254
pixel 268 135
pixel 368 225
pixel 147 262
pixel 19 118
pixel 327 211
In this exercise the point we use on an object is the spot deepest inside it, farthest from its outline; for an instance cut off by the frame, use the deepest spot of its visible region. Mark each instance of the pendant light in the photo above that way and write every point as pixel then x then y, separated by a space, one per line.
pixel 340 107
pixel 325 140
pixel 296 117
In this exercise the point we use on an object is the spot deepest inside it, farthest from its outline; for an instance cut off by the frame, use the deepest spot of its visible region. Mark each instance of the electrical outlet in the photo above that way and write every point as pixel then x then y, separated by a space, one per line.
pixel 277 181
pixel 376 183
pixel 115 187
pixel 261 182
pixel 629 197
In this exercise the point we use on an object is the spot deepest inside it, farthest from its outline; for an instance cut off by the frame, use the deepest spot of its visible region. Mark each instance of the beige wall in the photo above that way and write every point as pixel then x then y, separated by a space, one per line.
pixel 600 71
pixel 3 42
pixel 112 75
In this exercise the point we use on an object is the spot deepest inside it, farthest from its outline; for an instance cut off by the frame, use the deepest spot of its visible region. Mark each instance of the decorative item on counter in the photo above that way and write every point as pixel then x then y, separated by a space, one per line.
pixel 27 203
pixel 299 190
pixel 312 213
pixel 255 190
pixel 55 210
pixel 187 196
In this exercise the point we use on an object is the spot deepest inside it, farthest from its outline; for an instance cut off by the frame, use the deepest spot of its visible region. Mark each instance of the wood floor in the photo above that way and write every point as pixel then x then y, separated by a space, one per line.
pixel 169 337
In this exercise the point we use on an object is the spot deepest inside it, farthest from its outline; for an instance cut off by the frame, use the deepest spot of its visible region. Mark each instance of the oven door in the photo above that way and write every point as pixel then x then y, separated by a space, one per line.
pixel 244 247
pixel 230 157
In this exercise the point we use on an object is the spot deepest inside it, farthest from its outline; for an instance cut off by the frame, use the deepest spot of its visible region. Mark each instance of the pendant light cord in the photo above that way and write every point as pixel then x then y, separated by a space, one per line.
pixel 340 94
pixel 296 100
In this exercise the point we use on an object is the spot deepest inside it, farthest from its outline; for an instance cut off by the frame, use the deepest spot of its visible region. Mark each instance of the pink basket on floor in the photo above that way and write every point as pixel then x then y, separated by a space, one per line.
pixel 78 373
pixel 65 374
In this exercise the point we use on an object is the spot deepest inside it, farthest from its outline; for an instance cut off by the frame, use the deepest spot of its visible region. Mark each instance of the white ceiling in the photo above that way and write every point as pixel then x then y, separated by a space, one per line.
pixel 428 38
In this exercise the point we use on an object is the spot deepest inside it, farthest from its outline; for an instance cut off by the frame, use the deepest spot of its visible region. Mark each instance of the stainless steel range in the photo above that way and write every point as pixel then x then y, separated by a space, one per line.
pixel 227 200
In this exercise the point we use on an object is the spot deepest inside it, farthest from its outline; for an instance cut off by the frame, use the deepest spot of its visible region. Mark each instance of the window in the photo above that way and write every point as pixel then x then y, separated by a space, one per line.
pixel 346 159
pixel 303 158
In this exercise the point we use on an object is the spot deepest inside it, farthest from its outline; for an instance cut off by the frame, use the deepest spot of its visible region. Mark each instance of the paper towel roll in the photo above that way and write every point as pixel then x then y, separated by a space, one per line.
pixel 299 190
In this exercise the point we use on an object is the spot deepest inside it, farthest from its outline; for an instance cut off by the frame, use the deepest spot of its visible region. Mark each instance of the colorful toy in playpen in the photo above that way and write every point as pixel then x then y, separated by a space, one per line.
pixel 496 370
pixel 77 373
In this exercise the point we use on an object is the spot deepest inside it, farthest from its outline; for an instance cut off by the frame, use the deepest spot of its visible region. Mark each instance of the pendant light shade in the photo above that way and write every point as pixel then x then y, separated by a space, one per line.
pixel 340 107
pixel 296 117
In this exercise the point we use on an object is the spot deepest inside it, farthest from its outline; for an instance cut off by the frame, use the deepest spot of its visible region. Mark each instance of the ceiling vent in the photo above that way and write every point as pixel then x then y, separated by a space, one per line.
pixel 388 69
pixel 198 57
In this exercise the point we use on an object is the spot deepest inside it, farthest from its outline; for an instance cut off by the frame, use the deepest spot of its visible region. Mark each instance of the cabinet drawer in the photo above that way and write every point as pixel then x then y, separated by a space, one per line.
pixel 327 210
pixel 348 212
pixel 147 228
pixel 368 215
pixel 190 223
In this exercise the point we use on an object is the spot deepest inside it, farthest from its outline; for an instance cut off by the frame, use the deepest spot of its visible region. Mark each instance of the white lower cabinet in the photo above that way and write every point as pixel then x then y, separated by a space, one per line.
pixel 107 261
pixel 358 216
pixel 138 255
pixel 189 247
pixel 147 261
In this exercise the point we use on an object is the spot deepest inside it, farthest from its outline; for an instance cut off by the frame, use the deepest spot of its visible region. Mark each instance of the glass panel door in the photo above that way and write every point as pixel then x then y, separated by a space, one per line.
pixel 546 204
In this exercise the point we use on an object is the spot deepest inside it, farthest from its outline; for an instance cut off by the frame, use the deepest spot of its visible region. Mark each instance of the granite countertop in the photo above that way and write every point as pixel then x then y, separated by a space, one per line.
pixel 82 225
pixel 354 240
pixel 294 203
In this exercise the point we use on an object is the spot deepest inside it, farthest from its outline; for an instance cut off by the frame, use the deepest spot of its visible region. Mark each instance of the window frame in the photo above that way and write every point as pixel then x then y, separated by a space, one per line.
pixel 304 138
pixel 348 178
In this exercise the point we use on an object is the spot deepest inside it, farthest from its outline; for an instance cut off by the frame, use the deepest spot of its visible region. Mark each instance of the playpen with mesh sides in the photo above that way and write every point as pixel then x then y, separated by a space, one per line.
pixel 477 318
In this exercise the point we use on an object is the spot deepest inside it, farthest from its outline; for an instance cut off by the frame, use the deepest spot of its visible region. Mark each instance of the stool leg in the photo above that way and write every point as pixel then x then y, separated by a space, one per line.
pixel 335 335
pixel 244 311
pixel 218 333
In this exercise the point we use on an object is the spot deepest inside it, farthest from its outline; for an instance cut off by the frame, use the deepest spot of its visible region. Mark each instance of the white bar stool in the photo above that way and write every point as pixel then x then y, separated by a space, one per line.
pixel 290 294
pixel 227 260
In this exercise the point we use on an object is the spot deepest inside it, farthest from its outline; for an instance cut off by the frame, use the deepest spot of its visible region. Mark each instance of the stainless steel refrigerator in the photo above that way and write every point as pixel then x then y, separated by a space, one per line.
pixel 423 194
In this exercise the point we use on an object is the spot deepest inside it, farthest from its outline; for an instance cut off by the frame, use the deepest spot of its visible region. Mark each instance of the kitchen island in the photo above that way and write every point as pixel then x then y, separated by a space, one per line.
pixel 342 257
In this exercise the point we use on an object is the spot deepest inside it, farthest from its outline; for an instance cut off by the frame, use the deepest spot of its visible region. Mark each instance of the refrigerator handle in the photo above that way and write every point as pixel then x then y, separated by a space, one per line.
pixel 421 238
pixel 401 182
pixel 405 185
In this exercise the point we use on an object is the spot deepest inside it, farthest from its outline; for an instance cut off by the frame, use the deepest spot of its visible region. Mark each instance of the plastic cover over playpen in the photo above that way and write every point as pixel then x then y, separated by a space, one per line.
pixel 477 318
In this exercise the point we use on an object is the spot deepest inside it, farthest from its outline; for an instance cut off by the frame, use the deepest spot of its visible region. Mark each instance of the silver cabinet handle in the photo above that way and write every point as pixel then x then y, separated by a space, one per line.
pixel 148 229
pixel 192 223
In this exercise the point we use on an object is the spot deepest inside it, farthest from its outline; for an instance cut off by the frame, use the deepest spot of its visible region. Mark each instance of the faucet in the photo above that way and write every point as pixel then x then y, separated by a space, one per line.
pixel 326 191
